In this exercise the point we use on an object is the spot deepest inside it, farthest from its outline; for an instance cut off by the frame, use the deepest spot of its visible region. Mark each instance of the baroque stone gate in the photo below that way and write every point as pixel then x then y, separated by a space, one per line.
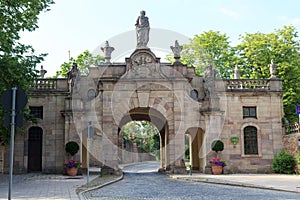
pixel 170 96
pixel 142 89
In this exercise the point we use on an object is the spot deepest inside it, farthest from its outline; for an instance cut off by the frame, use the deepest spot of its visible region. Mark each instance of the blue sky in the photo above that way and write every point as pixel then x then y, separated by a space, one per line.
pixel 79 25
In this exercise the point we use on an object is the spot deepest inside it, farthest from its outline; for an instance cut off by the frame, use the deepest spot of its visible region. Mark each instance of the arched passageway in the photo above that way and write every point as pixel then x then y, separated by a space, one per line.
pixel 139 141
pixel 196 148
pixel 131 152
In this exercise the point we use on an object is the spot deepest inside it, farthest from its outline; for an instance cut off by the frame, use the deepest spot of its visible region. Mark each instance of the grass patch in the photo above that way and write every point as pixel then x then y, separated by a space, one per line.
pixel 97 181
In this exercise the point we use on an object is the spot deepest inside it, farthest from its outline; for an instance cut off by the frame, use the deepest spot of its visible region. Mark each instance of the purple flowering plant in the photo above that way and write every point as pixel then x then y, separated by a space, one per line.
pixel 72 163
pixel 218 161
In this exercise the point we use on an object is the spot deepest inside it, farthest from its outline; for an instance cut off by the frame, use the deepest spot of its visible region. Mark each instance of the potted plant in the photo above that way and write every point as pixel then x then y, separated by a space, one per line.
pixel 72 167
pixel 217 163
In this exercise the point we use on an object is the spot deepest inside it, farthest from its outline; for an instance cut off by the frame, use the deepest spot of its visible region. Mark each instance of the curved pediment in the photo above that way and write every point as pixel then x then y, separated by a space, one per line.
pixel 143 64
pixel 142 56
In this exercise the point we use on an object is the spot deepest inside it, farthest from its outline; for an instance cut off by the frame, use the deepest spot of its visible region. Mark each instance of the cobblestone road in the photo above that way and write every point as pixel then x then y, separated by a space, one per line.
pixel 141 183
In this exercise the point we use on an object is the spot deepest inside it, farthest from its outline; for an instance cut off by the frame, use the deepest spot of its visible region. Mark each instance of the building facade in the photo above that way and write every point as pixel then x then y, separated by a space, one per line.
pixel 244 114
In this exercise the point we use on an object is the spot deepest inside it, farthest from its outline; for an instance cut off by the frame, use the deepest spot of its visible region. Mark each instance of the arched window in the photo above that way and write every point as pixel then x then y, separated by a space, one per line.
pixel 250 141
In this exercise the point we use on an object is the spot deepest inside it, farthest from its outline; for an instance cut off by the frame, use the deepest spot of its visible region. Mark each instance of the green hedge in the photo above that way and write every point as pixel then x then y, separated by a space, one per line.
pixel 284 163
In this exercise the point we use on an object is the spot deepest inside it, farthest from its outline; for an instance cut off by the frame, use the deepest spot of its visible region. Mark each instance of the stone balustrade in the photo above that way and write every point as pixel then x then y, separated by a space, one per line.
pixel 292 128
pixel 61 84
pixel 50 84
pixel 246 84
pixel 242 85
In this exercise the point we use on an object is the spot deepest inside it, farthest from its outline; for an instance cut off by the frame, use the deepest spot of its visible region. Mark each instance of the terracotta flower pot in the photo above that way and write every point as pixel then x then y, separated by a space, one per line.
pixel 72 171
pixel 216 169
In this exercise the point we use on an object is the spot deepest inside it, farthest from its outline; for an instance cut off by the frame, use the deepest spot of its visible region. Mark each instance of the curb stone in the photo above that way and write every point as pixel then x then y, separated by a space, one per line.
pixel 229 183
pixel 82 195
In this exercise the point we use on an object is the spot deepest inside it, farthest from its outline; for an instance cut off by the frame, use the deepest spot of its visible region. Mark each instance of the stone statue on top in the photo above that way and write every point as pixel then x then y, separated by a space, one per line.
pixel 73 76
pixel 142 30
pixel 273 69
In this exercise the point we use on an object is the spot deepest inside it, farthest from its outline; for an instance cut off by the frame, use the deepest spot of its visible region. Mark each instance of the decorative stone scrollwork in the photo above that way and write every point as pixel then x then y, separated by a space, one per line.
pixel 143 64
pixel 142 58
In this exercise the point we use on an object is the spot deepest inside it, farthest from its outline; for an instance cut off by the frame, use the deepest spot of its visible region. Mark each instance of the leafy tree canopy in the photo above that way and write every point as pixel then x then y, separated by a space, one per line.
pixel 18 61
pixel 209 47
pixel 144 134
pixel 255 53
pixel 252 55
pixel 83 60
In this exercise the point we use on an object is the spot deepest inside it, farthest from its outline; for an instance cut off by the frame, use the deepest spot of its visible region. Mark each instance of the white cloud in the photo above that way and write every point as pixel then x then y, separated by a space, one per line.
pixel 229 12
pixel 282 18
pixel 295 21
pixel 289 20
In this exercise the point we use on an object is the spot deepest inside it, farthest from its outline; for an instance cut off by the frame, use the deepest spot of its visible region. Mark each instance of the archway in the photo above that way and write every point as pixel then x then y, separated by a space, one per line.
pixel 196 148
pixel 155 118
pixel 140 142
pixel 35 141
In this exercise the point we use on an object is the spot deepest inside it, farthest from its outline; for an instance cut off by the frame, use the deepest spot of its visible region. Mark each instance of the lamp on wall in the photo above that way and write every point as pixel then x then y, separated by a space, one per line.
pixel 234 140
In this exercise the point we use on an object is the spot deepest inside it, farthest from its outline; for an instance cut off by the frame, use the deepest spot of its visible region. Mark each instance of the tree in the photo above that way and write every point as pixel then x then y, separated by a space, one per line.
pixel 210 47
pixel 282 46
pixel 145 135
pixel 18 61
pixel 217 146
pixel 253 56
pixel 83 60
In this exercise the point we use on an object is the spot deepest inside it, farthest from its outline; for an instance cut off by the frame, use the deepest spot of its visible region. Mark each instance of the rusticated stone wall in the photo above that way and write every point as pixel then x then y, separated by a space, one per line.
pixel 290 143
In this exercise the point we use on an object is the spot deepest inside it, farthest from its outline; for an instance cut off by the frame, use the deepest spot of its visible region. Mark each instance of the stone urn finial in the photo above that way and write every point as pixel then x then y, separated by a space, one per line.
pixel 176 51
pixel 107 50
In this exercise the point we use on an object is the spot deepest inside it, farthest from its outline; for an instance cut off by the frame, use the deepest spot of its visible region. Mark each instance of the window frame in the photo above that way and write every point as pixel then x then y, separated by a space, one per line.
pixel 249 108
pixel 250 140
pixel 39 114
pixel 259 145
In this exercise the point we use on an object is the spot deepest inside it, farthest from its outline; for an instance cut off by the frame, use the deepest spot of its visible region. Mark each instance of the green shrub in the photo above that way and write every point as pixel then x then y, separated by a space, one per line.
pixel 284 163
pixel 217 146
pixel 72 148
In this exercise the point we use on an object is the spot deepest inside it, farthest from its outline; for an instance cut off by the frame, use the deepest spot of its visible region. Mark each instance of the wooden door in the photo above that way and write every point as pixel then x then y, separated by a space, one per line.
pixel 35 142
